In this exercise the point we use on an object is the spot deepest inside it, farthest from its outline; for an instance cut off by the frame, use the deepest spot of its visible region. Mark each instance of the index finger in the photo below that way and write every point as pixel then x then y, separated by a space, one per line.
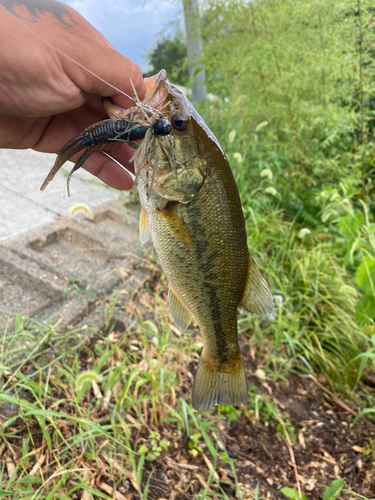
pixel 134 78
pixel 101 69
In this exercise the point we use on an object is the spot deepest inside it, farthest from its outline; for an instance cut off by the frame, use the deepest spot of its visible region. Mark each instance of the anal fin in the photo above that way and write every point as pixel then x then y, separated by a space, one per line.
pixel 144 227
pixel 257 297
pixel 221 385
pixel 179 312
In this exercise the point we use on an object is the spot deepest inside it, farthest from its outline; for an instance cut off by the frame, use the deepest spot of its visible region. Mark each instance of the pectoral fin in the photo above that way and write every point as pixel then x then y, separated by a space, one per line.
pixel 144 227
pixel 177 226
pixel 257 298
pixel 179 312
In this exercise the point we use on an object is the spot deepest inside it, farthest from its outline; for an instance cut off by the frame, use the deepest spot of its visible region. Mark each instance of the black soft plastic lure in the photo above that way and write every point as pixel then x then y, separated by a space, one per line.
pixel 100 135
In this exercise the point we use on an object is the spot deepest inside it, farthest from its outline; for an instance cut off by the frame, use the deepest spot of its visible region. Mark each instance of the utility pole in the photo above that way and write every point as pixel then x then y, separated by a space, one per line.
pixel 194 50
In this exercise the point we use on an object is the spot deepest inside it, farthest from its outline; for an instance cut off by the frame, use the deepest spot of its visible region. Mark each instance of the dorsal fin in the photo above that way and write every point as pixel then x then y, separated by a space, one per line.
pixel 257 297
pixel 144 227
pixel 179 312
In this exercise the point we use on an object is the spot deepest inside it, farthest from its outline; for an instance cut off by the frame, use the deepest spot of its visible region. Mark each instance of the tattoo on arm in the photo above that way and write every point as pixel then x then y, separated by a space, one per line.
pixel 38 7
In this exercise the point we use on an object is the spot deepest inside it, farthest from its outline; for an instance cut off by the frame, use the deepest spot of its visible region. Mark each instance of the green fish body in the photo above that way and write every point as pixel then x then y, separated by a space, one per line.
pixel 194 217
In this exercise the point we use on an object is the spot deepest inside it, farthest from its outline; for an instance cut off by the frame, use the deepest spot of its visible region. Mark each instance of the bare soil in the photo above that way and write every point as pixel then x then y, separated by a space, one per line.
pixel 326 447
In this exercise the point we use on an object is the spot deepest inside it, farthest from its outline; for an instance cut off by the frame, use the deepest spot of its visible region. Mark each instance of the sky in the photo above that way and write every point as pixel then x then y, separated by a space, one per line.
pixel 132 26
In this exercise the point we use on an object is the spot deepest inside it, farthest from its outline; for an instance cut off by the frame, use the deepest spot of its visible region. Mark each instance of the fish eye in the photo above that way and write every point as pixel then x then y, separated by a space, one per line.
pixel 180 123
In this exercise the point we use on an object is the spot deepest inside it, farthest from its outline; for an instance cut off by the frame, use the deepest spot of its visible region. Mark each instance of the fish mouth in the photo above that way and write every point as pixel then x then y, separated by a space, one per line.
pixel 164 96
pixel 156 89
pixel 157 156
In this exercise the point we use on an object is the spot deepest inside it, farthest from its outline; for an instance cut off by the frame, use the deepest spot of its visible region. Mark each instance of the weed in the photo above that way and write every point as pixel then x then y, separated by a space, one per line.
pixel 154 447
pixel 77 283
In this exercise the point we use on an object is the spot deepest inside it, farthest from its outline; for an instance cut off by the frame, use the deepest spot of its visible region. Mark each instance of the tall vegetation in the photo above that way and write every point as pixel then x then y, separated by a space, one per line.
pixel 294 109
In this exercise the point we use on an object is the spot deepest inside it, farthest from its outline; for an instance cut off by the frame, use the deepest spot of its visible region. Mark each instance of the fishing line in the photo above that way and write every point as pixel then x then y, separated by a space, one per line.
pixel 119 164
pixel 68 57
pixel 150 137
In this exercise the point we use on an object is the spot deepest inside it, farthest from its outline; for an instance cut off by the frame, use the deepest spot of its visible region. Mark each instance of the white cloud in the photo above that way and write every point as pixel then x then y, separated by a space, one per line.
pixel 132 26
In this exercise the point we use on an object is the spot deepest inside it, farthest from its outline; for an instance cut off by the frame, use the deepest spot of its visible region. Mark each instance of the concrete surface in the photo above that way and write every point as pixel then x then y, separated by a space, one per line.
pixel 23 206
pixel 42 248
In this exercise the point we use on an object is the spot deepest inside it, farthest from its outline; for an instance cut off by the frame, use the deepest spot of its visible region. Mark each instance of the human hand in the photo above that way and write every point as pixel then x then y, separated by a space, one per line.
pixel 46 99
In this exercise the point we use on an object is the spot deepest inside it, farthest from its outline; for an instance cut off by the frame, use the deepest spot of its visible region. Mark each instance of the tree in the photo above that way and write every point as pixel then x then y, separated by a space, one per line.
pixel 194 50
pixel 170 54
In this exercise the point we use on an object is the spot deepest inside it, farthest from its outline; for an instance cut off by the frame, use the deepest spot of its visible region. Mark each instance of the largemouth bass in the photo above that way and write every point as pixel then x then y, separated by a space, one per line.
pixel 191 209
pixel 194 218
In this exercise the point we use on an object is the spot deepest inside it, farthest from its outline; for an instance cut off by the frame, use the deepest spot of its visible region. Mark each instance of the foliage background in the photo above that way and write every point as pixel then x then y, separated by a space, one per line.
pixel 292 103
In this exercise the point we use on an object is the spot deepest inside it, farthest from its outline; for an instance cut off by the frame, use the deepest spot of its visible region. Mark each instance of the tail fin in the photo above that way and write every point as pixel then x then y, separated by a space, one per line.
pixel 214 387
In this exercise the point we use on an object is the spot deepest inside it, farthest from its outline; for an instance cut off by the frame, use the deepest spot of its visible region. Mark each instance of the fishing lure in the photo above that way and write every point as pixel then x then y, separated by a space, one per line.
pixel 98 136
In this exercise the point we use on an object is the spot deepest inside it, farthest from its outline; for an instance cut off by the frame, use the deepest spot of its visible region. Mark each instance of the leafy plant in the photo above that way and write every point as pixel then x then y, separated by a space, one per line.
pixel 77 283
pixel 154 447
pixel 292 494
pixel 331 492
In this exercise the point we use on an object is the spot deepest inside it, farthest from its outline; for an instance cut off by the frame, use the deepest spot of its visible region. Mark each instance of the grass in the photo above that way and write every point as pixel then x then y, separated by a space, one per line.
pixel 94 414
pixel 316 320
pixel 80 406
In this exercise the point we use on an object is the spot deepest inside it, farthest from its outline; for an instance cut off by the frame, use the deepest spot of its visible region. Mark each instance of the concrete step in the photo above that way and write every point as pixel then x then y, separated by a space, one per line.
pixel 53 265
pixel 64 267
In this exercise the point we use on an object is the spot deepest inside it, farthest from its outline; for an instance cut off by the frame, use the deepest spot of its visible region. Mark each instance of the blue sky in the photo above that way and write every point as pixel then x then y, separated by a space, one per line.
pixel 132 26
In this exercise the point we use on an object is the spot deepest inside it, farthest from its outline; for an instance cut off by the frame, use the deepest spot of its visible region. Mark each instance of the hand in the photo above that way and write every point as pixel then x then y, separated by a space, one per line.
pixel 46 99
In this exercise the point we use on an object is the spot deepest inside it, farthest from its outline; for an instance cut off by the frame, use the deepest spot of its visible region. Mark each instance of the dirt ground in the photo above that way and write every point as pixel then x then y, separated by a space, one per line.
pixel 326 447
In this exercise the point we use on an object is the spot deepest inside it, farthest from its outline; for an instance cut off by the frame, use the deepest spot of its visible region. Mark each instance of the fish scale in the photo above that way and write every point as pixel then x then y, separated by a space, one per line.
pixel 215 293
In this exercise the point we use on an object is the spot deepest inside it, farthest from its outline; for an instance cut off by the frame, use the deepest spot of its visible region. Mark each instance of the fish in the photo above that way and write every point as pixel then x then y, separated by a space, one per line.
pixel 192 212
pixel 193 215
